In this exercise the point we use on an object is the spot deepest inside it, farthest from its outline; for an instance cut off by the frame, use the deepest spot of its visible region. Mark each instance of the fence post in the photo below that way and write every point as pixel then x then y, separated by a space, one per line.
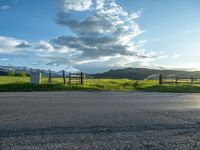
pixel 81 78
pixel 176 80
pixel 64 76
pixel 69 78
pixel 192 80
pixel 49 77
pixel 160 80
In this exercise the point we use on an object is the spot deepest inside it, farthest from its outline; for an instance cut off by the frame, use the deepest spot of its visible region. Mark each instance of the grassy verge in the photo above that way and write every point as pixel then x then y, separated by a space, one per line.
pixel 22 84
pixel 172 88
pixel 43 87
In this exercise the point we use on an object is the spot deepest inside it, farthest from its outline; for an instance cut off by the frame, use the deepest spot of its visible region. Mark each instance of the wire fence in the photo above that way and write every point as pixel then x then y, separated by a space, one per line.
pixel 178 80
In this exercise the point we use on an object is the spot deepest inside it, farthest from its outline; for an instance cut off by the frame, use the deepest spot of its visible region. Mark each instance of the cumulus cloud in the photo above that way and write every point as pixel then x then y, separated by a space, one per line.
pixel 109 32
pixel 105 38
pixel 8 44
pixel 4 7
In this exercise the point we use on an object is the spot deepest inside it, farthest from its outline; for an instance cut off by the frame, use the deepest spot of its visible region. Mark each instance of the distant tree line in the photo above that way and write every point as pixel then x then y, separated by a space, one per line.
pixel 21 74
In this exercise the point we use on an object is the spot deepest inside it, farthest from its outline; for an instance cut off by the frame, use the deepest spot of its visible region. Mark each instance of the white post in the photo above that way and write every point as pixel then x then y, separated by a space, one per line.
pixel 35 78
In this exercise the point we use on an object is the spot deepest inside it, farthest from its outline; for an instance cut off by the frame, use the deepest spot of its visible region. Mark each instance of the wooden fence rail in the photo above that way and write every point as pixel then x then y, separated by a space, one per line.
pixel 76 77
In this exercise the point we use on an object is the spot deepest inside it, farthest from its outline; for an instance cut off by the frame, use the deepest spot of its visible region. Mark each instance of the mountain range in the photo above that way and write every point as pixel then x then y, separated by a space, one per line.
pixel 4 70
pixel 144 73
pixel 126 73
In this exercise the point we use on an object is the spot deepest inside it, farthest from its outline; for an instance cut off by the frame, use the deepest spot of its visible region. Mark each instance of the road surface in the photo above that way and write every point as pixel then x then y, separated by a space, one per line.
pixel 99 120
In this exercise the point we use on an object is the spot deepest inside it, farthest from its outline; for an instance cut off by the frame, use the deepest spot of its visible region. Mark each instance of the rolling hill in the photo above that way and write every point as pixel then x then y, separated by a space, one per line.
pixel 143 73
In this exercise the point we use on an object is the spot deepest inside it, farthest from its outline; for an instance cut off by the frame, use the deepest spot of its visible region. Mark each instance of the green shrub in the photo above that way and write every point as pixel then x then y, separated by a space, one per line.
pixel 23 74
pixel 11 73
pixel 136 84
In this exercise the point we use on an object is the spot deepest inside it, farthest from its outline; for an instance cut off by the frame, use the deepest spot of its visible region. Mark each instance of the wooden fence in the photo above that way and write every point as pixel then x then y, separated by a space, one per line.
pixel 178 80
pixel 76 78
pixel 71 78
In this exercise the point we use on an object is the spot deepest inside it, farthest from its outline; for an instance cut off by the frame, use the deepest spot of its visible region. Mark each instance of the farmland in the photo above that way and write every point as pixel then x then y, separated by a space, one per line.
pixel 10 84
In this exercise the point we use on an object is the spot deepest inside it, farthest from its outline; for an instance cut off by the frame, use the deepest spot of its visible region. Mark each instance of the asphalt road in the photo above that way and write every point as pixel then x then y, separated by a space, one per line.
pixel 99 120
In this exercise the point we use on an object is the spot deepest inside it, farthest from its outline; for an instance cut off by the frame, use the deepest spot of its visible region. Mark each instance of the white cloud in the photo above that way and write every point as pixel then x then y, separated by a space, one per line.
pixel 100 5
pixel 45 46
pixel 176 56
pixel 103 40
pixel 4 59
pixel 4 7
pixel 8 44
pixel 76 5
pixel 109 32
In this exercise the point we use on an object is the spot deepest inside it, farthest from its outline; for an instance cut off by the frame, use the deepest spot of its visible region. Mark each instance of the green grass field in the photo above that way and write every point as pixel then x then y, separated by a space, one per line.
pixel 9 84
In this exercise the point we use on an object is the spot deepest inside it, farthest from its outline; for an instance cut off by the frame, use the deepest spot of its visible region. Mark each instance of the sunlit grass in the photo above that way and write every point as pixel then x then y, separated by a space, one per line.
pixel 8 83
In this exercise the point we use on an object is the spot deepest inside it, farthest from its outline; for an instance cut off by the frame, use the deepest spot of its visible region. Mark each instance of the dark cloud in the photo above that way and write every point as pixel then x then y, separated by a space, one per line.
pixel 92 25
pixel 23 45
pixel 93 48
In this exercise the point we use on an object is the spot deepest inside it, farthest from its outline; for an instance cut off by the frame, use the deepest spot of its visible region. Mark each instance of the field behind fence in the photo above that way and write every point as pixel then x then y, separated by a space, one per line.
pixel 8 83
pixel 159 84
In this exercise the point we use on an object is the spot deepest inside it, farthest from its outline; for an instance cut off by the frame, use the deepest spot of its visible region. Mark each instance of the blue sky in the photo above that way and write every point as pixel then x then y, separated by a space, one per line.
pixel 97 35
